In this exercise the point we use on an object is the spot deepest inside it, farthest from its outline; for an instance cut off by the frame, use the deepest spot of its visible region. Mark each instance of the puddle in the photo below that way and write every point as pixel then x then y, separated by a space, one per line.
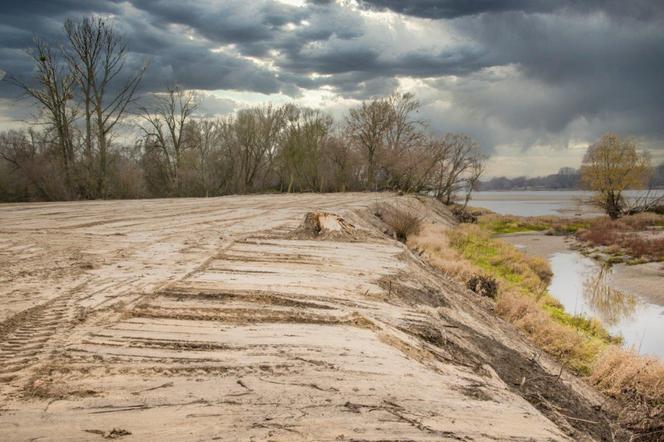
pixel 579 283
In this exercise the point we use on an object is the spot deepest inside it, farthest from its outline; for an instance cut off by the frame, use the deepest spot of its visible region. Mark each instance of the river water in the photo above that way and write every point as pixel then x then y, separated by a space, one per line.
pixel 543 202
pixel 579 282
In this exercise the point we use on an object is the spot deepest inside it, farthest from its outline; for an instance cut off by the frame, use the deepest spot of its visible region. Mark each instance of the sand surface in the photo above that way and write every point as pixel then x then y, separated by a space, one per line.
pixel 537 244
pixel 217 319
pixel 643 280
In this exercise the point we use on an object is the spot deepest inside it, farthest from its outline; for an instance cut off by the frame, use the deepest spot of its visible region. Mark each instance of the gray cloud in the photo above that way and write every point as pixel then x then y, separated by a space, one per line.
pixel 518 72
pixel 442 9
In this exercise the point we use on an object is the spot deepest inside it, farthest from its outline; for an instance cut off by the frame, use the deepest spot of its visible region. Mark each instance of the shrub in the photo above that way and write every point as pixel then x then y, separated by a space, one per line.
pixel 629 233
pixel 463 216
pixel 483 285
pixel 402 222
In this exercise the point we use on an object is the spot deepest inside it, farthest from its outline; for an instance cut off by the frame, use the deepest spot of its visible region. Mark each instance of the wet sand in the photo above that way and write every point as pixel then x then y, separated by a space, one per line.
pixel 537 244
pixel 643 280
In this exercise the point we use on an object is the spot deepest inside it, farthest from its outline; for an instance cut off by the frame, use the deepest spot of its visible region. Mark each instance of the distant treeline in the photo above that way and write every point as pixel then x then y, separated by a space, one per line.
pixel 567 178
pixel 80 147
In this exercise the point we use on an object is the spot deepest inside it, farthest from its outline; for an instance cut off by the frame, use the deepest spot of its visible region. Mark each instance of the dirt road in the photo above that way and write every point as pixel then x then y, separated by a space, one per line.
pixel 217 319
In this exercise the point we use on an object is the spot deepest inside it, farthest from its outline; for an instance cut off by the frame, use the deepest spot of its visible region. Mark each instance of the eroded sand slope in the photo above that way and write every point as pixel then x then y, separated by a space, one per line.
pixel 217 319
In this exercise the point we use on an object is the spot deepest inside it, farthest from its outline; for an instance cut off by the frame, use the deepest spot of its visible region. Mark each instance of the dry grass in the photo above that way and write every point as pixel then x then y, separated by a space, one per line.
pixel 433 243
pixel 500 257
pixel 569 345
pixel 618 370
pixel 403 222
pixel 638 382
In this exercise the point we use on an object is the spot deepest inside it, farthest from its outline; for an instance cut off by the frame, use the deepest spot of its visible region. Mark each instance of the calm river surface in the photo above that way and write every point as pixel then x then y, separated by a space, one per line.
pixel 541 202
pixel 579 282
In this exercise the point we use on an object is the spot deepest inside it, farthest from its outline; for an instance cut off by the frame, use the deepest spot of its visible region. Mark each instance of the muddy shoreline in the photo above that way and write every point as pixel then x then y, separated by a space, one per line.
pixel 642 280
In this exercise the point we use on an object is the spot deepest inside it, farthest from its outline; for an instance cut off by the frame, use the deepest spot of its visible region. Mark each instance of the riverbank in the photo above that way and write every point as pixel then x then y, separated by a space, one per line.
pixel 643 280
pixel 625 298
pixel 578 340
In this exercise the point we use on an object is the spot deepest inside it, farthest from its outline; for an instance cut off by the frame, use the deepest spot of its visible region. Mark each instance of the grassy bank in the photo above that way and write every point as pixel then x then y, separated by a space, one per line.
pixel 522 297
pixel 580 343
pixel 504 224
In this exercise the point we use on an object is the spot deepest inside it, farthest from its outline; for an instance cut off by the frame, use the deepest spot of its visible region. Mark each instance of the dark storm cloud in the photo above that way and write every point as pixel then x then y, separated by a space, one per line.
pixel 591 66
pixel 438 9
pixel 561 64
pixel 173 58
pixel 446 9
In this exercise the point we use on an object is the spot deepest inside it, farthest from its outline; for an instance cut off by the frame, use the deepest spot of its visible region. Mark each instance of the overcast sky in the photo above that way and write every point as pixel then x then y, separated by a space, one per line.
pixel 534 81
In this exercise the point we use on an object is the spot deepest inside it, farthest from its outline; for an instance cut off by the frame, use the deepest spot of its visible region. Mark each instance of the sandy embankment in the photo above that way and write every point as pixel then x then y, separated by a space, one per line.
pixel 214 319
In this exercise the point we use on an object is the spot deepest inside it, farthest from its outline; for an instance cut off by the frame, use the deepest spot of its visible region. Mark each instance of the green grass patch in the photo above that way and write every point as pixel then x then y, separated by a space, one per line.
pixel 502 224
pixel 506 226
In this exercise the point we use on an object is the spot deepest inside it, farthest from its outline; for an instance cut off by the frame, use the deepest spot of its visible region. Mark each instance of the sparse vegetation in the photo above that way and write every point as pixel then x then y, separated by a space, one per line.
pixel 639 236
pixel 403 222
pixel 505 224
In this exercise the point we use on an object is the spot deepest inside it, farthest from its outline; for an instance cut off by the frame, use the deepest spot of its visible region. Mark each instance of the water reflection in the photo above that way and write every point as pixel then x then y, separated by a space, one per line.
pixel 611 306
pixel 579 283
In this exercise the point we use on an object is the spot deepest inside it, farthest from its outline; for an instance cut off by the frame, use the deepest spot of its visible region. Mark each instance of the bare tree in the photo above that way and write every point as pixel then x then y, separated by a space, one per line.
pixel 97 57
pixel 461 157
pixel 53 89
pixel 403 137
pixel 368 125
pixel 165 129
pixel 255 136
pixel 204 137
pixel 473 177
pixel 302 149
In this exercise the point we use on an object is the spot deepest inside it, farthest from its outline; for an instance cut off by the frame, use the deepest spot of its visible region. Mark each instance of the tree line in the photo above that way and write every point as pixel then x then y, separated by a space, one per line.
pixel 88 95
pixel 567 178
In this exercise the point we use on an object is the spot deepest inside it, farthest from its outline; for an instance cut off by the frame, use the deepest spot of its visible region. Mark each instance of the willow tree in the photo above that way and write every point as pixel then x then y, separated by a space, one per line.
pixel 611 166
